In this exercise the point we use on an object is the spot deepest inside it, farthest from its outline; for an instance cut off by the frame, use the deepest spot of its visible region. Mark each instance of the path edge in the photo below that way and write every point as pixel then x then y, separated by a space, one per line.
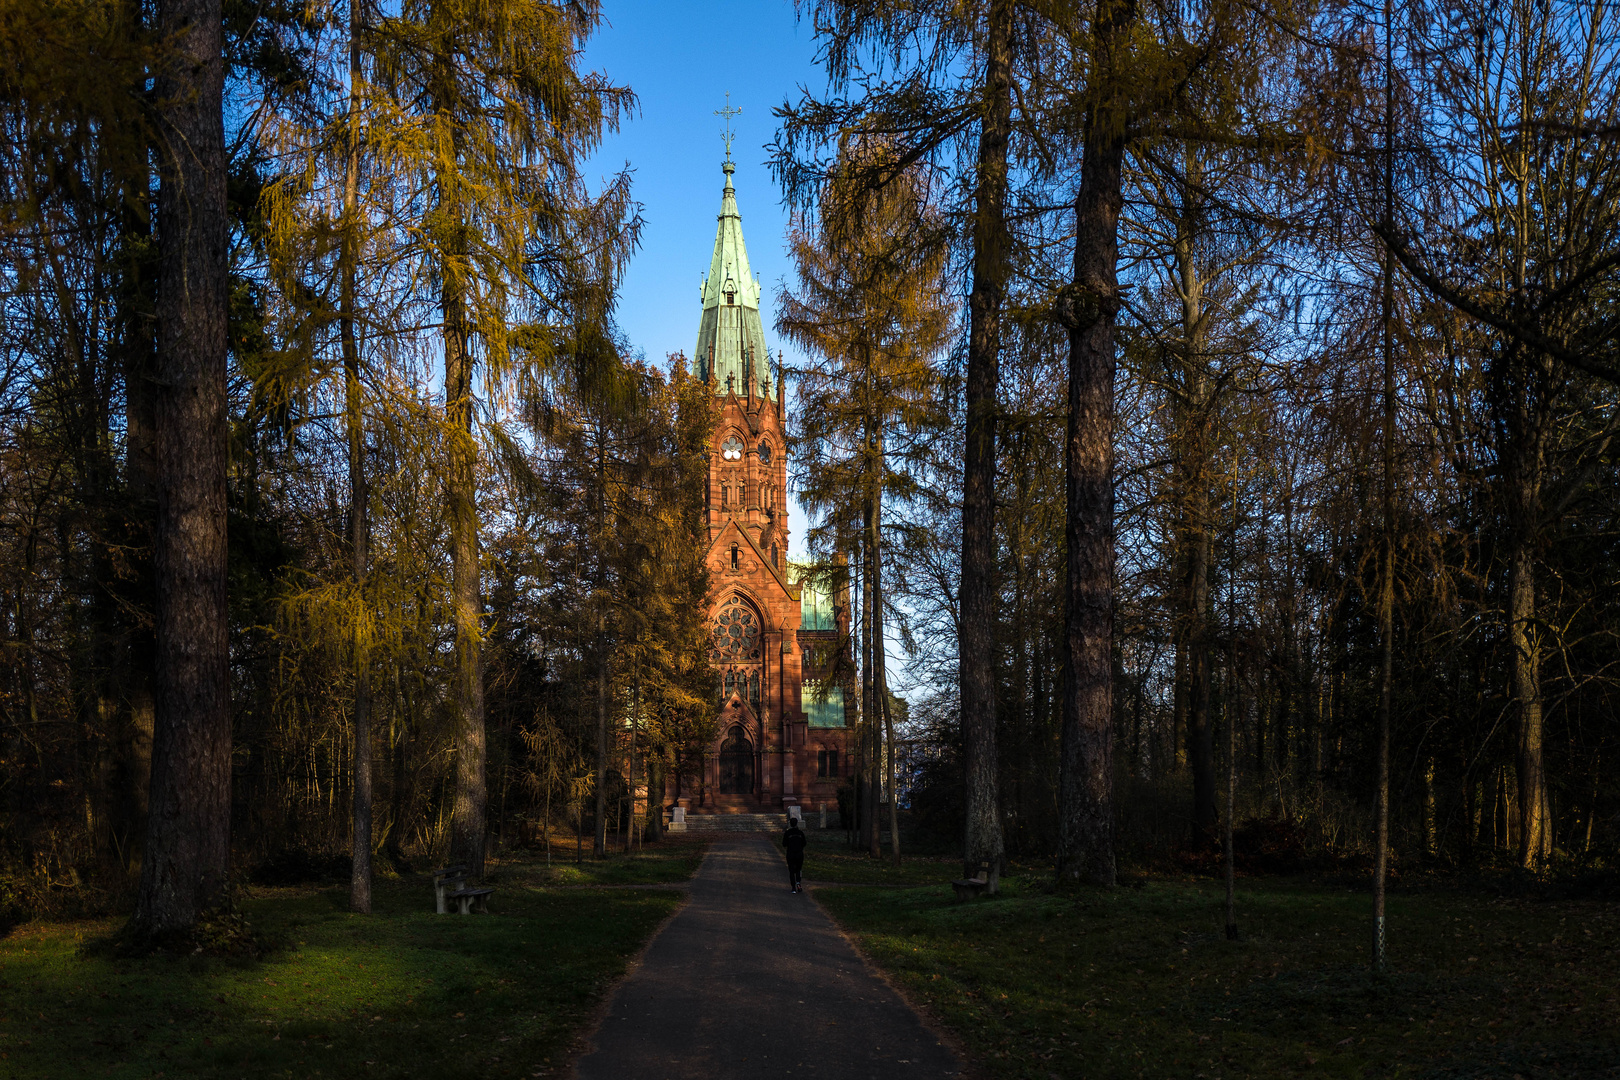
pixel 971 1069
pixel 583 1041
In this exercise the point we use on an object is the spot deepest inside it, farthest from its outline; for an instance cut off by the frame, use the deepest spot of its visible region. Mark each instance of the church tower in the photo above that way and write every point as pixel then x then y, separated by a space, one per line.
pixel 748 473
pixel 776 747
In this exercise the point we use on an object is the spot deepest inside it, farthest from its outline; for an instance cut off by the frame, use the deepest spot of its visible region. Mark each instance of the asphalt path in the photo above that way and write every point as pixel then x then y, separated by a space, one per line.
pixel 750 980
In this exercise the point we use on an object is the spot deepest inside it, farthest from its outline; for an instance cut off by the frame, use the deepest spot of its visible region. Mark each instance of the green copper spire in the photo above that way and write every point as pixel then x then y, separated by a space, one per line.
pixel 731 340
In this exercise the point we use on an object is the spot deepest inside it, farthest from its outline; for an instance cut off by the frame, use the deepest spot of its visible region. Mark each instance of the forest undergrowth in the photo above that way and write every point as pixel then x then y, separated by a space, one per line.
pixel 1140 980
pixel 401 992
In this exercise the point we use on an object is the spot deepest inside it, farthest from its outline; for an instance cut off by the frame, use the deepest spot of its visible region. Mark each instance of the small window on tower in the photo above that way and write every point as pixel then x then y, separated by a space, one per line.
pixel 775 559
pixel 734 556
pixel 764 453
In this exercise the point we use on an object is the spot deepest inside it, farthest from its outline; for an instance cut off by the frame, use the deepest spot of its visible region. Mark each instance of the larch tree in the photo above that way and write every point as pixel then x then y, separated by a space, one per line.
pixel 1521 105
pixel 323 237
pixel 873 310
pixel 491 119
pixel 908 63
pixel 1130 75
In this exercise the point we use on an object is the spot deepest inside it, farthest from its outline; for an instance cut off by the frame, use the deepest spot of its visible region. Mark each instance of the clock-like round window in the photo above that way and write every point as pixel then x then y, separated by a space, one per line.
pixel 735 634
pixel 764 453
pixel 731 449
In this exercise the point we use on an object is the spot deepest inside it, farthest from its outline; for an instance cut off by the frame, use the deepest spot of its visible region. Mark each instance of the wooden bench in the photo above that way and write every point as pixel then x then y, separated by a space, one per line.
pixel 970 888
pixel 470 900
pixel 447 881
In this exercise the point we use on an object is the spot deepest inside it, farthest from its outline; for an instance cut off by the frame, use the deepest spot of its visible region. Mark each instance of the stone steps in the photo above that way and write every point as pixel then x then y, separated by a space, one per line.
pixel 735 822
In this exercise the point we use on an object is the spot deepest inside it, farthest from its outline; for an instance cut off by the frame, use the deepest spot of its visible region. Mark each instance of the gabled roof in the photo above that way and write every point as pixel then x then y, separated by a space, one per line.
pixel 731 525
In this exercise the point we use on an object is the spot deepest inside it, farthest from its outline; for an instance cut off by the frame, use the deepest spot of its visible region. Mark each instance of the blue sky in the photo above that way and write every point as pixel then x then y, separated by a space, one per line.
pixel 680 58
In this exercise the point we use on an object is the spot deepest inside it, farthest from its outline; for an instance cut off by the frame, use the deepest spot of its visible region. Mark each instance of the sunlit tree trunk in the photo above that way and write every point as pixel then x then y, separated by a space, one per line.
pixel 359 521
pixel 470 796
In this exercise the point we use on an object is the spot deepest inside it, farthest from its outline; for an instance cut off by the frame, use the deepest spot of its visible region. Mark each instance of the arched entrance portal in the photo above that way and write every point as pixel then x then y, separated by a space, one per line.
pixel 736 763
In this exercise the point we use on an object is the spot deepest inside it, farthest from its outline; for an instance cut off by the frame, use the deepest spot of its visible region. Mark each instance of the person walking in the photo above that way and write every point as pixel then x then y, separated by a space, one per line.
pixel 793 842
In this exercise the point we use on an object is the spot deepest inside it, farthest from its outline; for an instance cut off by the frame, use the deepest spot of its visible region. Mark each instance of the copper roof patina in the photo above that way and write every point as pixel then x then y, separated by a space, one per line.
pixel 731 351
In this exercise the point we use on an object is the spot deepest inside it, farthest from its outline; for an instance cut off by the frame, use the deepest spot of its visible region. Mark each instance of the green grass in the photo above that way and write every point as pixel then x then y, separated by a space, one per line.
pixel 829 858
pixel 675 858
pixel 1141 981
pixel 400 993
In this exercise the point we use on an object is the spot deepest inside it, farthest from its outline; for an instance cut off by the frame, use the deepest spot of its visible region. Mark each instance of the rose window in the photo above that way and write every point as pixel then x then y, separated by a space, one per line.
pixel 735 636
pixel 731 449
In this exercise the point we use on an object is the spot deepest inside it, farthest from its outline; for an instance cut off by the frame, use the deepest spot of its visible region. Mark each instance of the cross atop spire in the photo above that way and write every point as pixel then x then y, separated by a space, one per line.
pixel 727 113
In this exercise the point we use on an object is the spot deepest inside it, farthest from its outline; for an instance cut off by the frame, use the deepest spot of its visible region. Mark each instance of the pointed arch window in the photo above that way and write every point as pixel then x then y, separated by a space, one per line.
pixel 764 452
pixel 734 557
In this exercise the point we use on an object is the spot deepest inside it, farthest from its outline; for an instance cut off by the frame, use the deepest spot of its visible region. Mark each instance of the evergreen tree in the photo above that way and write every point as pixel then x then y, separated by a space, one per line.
pixel 491 122
pixel 873 309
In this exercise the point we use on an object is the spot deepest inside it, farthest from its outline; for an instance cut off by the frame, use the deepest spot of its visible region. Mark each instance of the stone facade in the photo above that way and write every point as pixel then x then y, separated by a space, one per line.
pixel 779 743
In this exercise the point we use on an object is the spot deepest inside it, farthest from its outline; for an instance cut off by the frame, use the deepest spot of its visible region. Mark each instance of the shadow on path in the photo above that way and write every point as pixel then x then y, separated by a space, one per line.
pixel 752 981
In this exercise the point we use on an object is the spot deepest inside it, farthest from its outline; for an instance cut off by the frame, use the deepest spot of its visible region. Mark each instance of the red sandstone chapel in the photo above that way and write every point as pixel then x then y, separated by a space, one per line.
pixel 783 729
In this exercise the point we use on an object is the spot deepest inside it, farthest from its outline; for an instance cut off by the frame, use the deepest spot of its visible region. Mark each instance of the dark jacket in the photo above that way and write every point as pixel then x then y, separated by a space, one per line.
pixel 793 841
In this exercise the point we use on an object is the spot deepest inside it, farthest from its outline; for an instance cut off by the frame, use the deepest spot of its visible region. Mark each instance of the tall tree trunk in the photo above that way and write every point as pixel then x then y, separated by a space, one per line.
pixel 1194 420
pixel 870 644
pixel 894 800
pixel 655 797
pixel 137 353
pixel 186 866
pixel 976 631
pixel 599 836
pixel 880 655
pixel 394 840
pixel 603 657
pixel 470 799
pixel 1386 561
pixel 359 522
pixel 1086 764
pixel 1233 713
pixel 1524 640
pixel 469 810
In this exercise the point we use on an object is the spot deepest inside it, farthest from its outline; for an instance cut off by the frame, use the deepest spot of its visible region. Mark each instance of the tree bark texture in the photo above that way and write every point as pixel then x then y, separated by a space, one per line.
pixel 1524 638
pixel 983 845
pixel 186 864
pixel 469 804
pixel 1086 764
pixel 359 520
pixel 656 774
